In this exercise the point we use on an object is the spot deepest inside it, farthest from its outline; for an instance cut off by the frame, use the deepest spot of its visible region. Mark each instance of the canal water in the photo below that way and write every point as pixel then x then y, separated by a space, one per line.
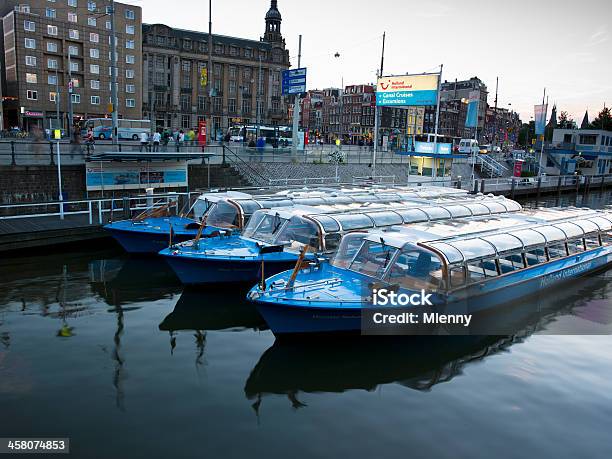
pixel 112 352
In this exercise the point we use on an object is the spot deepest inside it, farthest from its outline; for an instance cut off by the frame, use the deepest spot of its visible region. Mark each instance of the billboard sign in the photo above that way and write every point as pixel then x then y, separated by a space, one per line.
pixel 540 118
pixel 134 176
pixel 294 81
pixel 407 90
pixel 471 119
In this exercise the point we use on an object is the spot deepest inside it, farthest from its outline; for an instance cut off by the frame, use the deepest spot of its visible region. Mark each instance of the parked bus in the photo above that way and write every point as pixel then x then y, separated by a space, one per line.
pixel 282 134
pixel 127 129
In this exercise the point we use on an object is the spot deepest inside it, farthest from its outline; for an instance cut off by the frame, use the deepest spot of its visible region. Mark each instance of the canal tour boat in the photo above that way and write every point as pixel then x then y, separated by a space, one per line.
pixel 150 231
pixel 274 239
pixel 464 264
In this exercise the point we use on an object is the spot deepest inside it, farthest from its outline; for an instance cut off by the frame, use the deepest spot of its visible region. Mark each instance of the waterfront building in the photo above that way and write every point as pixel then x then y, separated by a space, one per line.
pixel 458 90
pixel 582 151
pixel 67 42
pixel 502 126
pixel 245 78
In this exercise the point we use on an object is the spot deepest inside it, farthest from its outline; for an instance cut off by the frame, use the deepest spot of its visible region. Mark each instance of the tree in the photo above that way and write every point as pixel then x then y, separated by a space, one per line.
pixel 527 133
pixel 603 120
pixel 565 122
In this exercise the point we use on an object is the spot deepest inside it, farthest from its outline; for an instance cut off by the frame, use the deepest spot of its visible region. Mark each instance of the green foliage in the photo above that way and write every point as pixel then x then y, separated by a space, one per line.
pixel 528 174
pixel 603 120
pixel 565 122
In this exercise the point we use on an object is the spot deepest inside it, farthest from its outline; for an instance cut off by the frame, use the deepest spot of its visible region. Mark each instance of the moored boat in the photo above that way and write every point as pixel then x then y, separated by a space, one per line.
pixel 274 239
pixel 465 265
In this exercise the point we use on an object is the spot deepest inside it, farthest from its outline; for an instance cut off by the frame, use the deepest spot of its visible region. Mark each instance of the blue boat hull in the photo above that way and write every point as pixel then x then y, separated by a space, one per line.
pixel 293 319
pixel 146 243
pixel 194 271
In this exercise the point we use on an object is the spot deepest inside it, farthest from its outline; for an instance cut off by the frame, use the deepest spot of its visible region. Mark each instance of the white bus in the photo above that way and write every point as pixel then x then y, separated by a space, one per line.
pixel 127 129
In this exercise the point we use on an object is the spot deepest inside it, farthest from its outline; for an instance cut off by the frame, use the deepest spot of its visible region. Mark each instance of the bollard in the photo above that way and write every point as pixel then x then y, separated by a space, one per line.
pixel 603 179
pixel 539 188
pixel 482 186
pixel 475 189
pixel 127 214
pixel 13 163
pixel 52 163
pixel 587 182
pixel 577 183
pixel 513 188
pixel 559 185
pixel 459 183
pixel 223 160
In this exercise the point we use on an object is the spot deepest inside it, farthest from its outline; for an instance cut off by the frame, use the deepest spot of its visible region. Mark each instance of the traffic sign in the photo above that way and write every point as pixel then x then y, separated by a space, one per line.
pixel 294 81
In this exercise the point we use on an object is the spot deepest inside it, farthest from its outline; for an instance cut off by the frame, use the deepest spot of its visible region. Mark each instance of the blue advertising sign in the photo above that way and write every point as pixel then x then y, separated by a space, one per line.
pixel 294 81
pixel 407 90
pixel 471 120
pixel 540 118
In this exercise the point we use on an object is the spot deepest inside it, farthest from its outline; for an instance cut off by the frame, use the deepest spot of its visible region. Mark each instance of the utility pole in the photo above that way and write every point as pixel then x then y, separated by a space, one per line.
pixel 437 122
pixel 114 99
pixel 296 107
pixel 377 109
pixel 258 99
pixel 545 113
pixel 209 73
pixel 70 90
pixel 59 159
pixel 495 115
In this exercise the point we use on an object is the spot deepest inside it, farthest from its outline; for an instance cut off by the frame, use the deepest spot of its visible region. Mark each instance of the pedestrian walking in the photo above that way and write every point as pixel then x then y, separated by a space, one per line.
pixel 156 140
pixel 144 141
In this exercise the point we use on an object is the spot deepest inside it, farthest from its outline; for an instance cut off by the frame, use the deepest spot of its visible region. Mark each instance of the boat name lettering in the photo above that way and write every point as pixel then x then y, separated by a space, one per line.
pixel 564 274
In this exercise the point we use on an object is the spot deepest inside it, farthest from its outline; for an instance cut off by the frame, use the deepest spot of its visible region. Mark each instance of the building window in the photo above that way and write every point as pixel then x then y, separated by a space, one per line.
pixel 75 83
pixel 108 25
pixel 95 100
pixel 246 106
pixel 72 17
pixel 94 68
pixel 30 43
pixel 130 103
pixel 73 34
pixel 129 44
pixel 72 3
pixel 91 6
pixel 76 98
pixel 218 48
pixel 91 21
pixel 74 66
pixel 233 51
pixel 201 103
pixel 50 13
pixel 130 88
pixel 231 105
pixel 129 29
pixel 248 53
pixel 217 70
pixel 130 59
pixel 233 71
pixel 29 26
pixel 31 95
pixel 94 53
pixel 129 74
pixel 232 87
pixel 52 47
pixel 129 14
pixel 52 63
pixel 73 50
pixel 31 78
pixel 95 84
pixel 52 96
pixel 94 37
pixel 31 61
pixel 51 30
pixel 186 102
pixel 52 79
pixel 186 121
pixel 218 104
pixel 187 44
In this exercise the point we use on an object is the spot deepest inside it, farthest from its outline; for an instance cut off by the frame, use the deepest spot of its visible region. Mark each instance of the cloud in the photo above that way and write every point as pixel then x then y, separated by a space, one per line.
pixel 599 37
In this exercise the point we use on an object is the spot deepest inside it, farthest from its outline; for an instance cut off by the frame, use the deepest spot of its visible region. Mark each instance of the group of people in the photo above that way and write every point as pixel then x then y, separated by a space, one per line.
pixel 164 137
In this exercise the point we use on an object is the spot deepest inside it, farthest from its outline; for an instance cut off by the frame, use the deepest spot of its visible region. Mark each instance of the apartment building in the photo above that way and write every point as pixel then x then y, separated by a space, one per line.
pixel 65 46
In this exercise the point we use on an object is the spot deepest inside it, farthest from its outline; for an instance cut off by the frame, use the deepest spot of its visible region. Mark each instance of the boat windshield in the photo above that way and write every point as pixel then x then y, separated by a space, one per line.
pixel 298 233
pixel 416 269
pixel 373 259
pixel 201 208
pixel 348 248
pixel 264 227
pixel 223 215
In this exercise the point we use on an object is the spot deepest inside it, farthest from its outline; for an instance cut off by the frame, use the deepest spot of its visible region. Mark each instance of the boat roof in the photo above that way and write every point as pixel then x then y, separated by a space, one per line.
pixel 469 239
pixel 343 218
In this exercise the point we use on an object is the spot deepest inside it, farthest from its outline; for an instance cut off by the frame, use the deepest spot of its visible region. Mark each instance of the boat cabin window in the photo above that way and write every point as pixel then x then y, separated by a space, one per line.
pixel 511 262
pixel 575 246
pixel 481 269
pixel 373 259
pixel 457 276
pixel 264 227
pixel 349 246
pixel 332 241
pixel 201 207
pixel 592 241
pixel 329 224
pixel 223 215
pixel 606 238
pixel 297 233
pixel 535 256
pixel 416 269
pixel 557 251
pixel 353 222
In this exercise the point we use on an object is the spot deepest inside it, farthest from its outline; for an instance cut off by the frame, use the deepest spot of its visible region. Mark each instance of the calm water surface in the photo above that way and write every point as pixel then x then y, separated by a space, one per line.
pixel 114 353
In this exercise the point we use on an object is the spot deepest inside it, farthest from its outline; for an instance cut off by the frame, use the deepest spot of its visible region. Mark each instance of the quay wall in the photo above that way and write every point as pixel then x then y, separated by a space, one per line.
pixel 27 184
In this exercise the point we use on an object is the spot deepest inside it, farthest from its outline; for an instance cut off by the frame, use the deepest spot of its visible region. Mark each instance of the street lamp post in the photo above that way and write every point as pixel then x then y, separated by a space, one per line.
pixel 114 99
pixel 59 160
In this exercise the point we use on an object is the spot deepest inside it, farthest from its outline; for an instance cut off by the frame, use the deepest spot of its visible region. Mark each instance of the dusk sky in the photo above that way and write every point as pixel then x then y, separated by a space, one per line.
pixel 562 45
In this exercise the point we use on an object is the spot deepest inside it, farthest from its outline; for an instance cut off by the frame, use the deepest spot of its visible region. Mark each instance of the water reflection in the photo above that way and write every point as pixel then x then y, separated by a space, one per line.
pixel 291 367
